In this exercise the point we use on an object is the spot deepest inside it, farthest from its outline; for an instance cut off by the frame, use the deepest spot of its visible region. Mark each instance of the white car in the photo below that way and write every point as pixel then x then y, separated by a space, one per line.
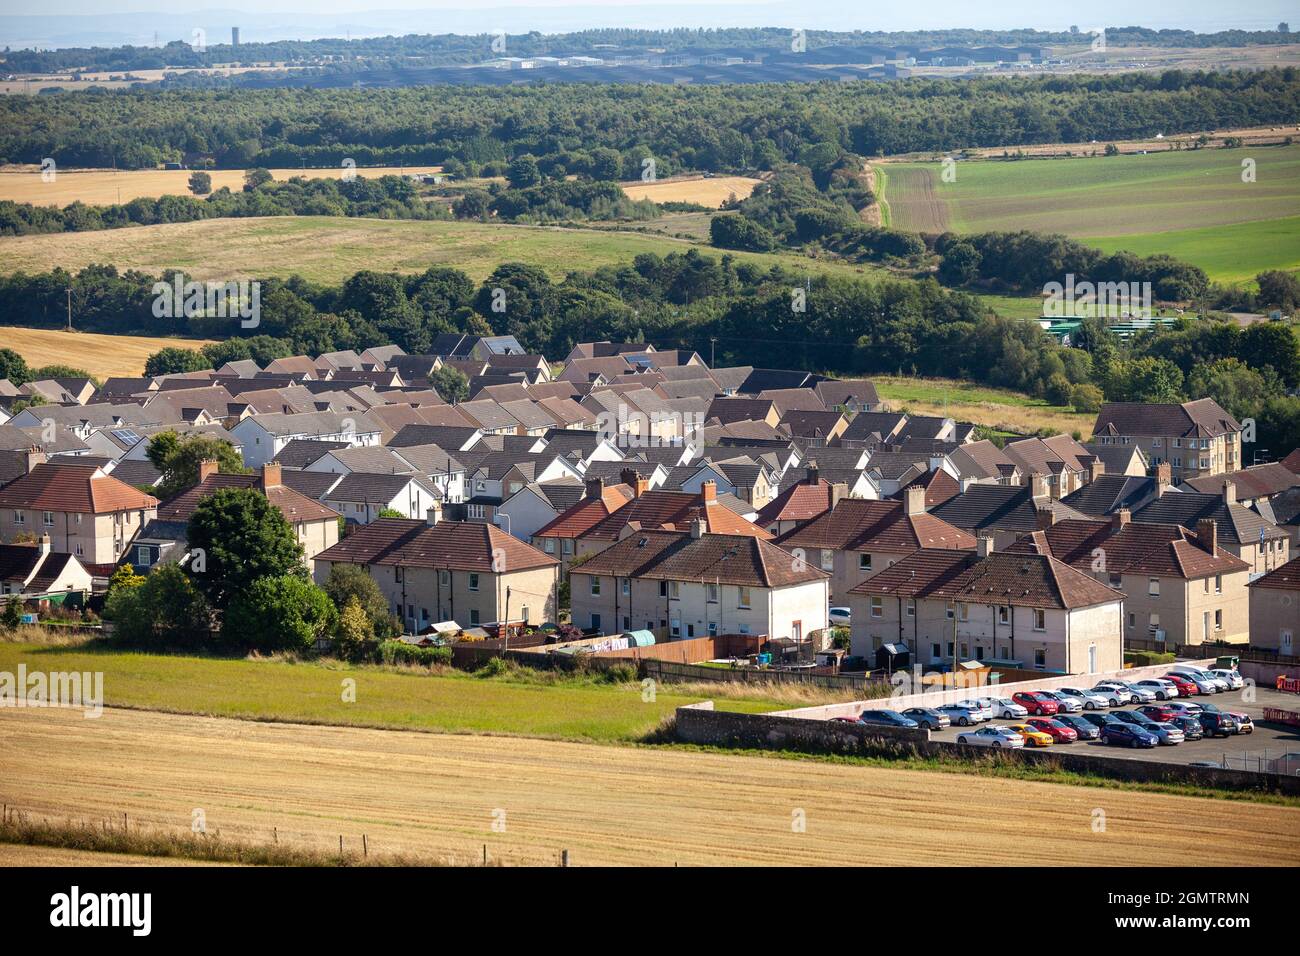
pixel 1233 679
pixel 985 712
pixel 1004 708
pixel 1205 684
pixel 991 736
pixel 1091 699
pixel 1067 704
pixel 1116 696
pixel 1163 689
pixel 1141 695
pixel 839 617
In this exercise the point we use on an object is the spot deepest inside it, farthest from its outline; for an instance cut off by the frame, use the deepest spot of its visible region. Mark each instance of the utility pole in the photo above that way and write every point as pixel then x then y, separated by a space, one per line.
pixel 68 328
pixel 713 343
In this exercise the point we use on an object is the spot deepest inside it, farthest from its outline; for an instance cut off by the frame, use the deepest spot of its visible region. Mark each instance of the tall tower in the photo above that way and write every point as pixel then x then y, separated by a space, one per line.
pixel 234 36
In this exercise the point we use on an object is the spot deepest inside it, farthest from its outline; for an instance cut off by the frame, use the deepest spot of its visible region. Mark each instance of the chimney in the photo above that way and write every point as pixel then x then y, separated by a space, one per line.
pixel 814 473
pixel 1120 519
pixel 914 500
pixel 1038 486
pixel 839 491
pixel 629 477
pixel 642 486
pixel 984 546
pixel 208 466
pixel 271 475
pixel 1096 468
pixel 434 514
pixel 1044 519
pixel 709 492
pixel 697 528
pixel 1229 491
pixel 34 457
pixel 44 543
pixel 595 489
pixel 1163 478
pixel 1207 532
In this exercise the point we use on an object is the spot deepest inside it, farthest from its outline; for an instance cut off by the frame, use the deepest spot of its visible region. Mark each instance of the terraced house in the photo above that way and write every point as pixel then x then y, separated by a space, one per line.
pixel 685 584
pixel 1196 438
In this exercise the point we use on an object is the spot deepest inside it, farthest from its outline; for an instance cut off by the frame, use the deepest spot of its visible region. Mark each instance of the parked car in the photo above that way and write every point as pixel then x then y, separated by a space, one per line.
pixel 1115 695
pixel 1064 703
pixel 1158 712
pixel 1169 734
pixel 1244 723
pixel 1086 729
pixel 992 736
pixel 1091 700
pixel 927 717
pixel 1134 717
pixel 1218 724
pixel 961 716
pixel 844 720
pixel 1100 720
pixel 1201 677
pixel 1141 695
pixel 1186 708
pixel 886 718
pixel 1190 726
pixel 1233 679
pixel 1004 708
pixel 1059 732
pixel 1037 702
pixel 1128 735
pixel 1032 735
pixel 1163 689
pixel 839 617
pixel 985 713
pixel 1190 686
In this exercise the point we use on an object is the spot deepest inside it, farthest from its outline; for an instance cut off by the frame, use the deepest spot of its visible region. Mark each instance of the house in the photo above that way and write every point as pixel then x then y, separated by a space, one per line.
pixel 361 497
pixel 800 502
pixel 1024 610
pixel 36 570
pixel 314 525
pixel 1256 483
pixel 85 512
pixel 1197 438
pixel 264 436
pixel 434 570
pixel 1180 586
pixel 690 583
pixel 458 345
pixel 1063 465
pixel 1274 600
pixel 1107 494
pixel 1001 512
pixel 1128 460
pixel 811 427
pixel 982 462
pixel 871 429
pixel 856 539
pixel 854 395
pixel 1245 533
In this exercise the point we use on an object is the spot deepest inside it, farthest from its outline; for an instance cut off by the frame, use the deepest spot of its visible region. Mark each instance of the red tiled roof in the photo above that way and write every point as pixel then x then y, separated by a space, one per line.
pixel 582 517
pixel 1292 462
pixel 1159 549
pixel 802 501
pixel 668 510
pixel 860 525
pixel 1286 577
pixel 294 505
pixel 72 488
pixel 723 558
pixel 456 545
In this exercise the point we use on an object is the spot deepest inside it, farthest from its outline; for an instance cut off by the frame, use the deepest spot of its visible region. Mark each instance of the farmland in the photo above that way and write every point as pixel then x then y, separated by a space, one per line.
pixel 966 401
pixel 104 187
pixel 439 796
pixel 99 355
pixel 707 191
pixel 1190 203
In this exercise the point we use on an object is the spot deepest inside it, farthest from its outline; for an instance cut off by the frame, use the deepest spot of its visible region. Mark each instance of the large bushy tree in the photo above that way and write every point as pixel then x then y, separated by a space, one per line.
pixel 236 536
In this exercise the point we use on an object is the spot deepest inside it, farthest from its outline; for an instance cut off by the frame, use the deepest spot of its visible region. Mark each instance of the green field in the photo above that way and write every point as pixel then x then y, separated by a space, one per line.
pixel 451 702
pixel 1191 203
pixel 1002 409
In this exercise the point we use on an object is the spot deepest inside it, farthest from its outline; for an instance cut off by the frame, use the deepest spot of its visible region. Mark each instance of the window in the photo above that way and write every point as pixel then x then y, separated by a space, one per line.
pixel 676 628
pixel 877 606
pixel 141 556
pixel 48 519
pixel 1284 642
pixel 713 629
pixel 828 559
pixel 911 607
pixel 744 629
pixel 1132 618
pixel 1004 614
pixel 1218 620
pixel 595 622
pixel 1156 442
pixel 950 612
pixel 1153 624
pixel 625 585
pixel 473 581
pixel 1218 584
pixel 965 652
pixel 713 593
pixel 473 616
pixel 397 575
pixel 444 579
pixel 864 562
pixel 424 614
pixel 1040 619
pixel 742 597
pixel 935 652
pixel 523 614
pixel 663 588
pixel 1153 587
pixel 548 545
pixel 568 546
pixel 675 590
pixel 20 518
pixel 595 586
pixel 965 612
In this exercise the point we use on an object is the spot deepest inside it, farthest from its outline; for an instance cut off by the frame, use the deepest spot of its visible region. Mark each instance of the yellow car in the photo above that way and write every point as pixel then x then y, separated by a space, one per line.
pixel 1033 736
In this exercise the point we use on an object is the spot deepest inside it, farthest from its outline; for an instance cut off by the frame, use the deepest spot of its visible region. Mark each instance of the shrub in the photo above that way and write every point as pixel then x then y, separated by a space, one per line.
pixel 400 653
pixel 1147 658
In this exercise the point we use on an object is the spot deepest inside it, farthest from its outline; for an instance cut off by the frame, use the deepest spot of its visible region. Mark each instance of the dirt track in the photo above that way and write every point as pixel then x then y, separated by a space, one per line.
pixel 435 796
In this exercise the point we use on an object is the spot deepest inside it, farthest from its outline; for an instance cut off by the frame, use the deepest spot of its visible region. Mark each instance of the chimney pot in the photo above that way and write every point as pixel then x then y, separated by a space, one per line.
pixel 1207 532
pixel 1096 468
pixel 984 546
pixel 1163 478
pixel 1120 518
pixel 207 467
pixel 595 488
pixel 1229 491
pixel 1045 518
pixel 271 475
pixel 814 473
pixel 709 492
pixel 434 514
pixel 628 476
pixel 44 543
pixel 697 528
pixel 914 501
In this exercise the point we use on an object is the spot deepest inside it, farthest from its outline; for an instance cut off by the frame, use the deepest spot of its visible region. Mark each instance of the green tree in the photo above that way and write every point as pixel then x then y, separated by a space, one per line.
pixel 173 360
pixel 1086 398
pixel 278 612
pixel 255 178
pixel 1275 344
pixel 124 577
pixel 451 383
pixel 200 183
pixel 11 617
pixel 350 582
pixel 355 632
pixel 236 536
pixel 14 367
pixel 1238 388
pixel 1279 289
pixel 960 264
pixel 179 458
pixel 740 232
pixel 165 611
pixel 524 172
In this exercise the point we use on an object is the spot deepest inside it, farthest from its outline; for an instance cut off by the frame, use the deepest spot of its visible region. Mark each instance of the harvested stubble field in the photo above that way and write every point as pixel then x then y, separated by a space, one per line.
pixel 104 187
pixel 100 355
pixel 438 796
pixel 711 191
pixel 13 854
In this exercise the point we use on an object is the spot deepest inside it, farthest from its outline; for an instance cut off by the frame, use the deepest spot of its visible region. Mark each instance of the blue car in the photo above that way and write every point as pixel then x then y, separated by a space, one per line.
pixel 886 718
pixel 1128 735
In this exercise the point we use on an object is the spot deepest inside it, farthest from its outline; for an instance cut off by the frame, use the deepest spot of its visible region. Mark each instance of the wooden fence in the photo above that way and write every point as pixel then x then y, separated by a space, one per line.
pixel 671 671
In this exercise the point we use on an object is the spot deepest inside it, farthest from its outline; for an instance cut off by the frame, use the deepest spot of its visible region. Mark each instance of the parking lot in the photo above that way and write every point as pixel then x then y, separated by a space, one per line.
pixel 1241 751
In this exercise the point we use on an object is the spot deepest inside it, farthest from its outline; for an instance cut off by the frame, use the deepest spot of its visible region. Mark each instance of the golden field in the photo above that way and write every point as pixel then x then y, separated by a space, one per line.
pixel 104 187
pixel 100 355
pixel 438 796
pixel 712 191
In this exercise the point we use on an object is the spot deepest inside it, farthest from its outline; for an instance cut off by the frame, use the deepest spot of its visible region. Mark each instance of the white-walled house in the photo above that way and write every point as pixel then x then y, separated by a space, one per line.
pixel 362 497
pixel 263 436
pixel 685 584
pixel 1026 610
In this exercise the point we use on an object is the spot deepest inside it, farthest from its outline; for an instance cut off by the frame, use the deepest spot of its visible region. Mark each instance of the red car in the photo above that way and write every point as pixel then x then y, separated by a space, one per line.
pixel 1161 712
pixel 1185 687
pixel 1059 732
pixel 1036 703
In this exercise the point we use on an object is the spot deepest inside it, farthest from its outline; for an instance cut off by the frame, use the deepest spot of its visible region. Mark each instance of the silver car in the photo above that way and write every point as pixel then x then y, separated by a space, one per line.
pixel 985 712
pixel 962 716
pixel 1091 700
pixel 992 736
pixel 1141 695
pixel 1168 733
